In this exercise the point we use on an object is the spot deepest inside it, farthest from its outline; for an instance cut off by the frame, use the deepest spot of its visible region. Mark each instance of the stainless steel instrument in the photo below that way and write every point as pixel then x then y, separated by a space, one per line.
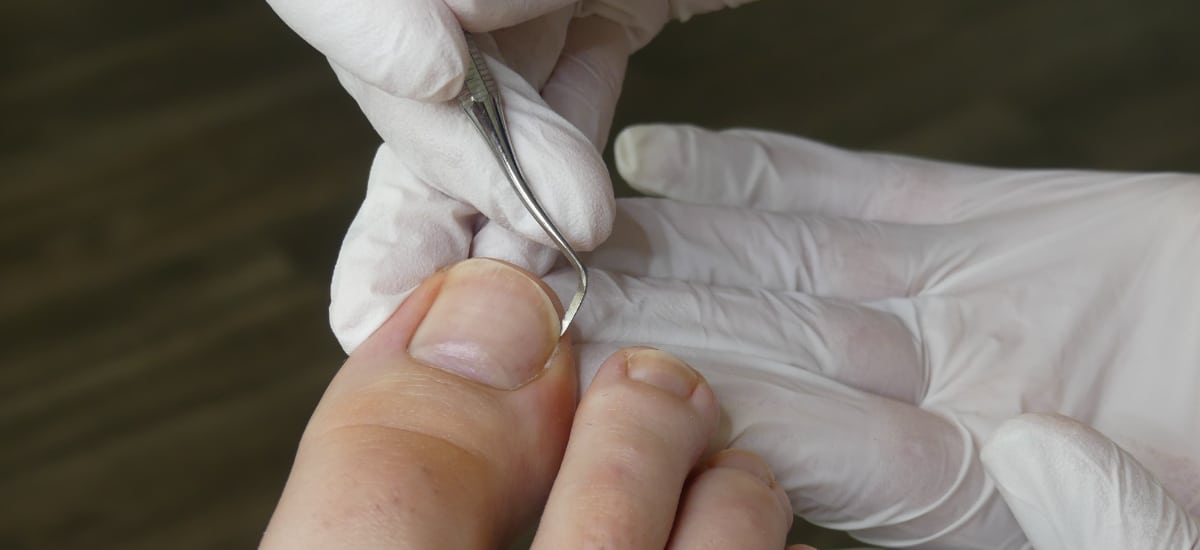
pixel 480 99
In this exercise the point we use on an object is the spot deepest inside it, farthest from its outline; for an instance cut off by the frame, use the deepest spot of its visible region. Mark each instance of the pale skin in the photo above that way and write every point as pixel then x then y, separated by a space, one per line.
pixel 450 428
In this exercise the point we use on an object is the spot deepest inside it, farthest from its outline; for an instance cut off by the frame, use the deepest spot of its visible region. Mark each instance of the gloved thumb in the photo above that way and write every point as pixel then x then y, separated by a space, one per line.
pixel 1069 486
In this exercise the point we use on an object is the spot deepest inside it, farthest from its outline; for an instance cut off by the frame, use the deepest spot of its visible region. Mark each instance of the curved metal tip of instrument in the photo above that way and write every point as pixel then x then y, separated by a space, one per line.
pixel 577 300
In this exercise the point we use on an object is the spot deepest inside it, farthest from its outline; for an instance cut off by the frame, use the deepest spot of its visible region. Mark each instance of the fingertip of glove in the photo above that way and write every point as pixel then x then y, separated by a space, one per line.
pixel 654 158
pixel 587 229
pixel 581 203
pixel 1016 440
pixel 443 84
pixel 1042 458
pixel 633 147
pixel 585 218
pixel 428 76
pixel 625 149
pixel 1031 435
pixel 1070 486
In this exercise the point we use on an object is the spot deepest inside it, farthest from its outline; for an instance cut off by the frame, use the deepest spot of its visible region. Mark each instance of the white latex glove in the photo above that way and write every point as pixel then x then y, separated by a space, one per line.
pixel 1071 487
pixel 869 320
pixel 560 64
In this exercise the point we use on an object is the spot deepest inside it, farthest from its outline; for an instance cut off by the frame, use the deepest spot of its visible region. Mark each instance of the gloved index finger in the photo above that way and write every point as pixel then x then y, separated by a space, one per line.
pixel 442 148
pixel 407 48
pixel 777 172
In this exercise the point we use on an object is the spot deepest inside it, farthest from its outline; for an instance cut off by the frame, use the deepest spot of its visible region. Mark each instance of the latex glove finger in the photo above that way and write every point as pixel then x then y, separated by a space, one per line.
pixel 586 81
pixel 532 48
pixel 438 143
pixel 755 249
pixel 1069 486
pixel 850 459
pixel 888 473
pixel 404 231
pixel 778 172
pixel 577 64
pixel 869 349
pixel 410 48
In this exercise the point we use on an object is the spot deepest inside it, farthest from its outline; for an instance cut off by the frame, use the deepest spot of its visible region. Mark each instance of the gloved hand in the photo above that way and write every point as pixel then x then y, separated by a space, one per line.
pixel 868 320
pixel 1071 487
pixel 560 64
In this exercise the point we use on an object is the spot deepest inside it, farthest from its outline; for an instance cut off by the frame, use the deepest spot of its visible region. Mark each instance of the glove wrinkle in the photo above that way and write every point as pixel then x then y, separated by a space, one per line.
pixel 532 48
pixel 969 499
pixel 586 82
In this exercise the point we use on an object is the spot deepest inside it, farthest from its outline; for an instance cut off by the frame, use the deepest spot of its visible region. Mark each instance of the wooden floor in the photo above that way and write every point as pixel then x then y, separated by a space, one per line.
pixel 175 178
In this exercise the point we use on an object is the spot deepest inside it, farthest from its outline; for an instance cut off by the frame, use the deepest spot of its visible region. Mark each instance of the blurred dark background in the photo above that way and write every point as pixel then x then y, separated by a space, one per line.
pixel 175 178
